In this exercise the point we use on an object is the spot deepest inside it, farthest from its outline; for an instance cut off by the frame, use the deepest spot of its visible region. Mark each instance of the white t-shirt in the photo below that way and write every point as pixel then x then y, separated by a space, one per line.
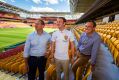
pixel 61 39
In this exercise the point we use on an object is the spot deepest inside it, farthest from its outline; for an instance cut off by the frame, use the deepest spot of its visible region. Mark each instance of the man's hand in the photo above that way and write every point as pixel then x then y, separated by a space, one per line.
pixel 47 54
pixel 26 64
pixel 26 67
pixel 51 56
pixel 72 61
pixel 77 54
pixel 92 67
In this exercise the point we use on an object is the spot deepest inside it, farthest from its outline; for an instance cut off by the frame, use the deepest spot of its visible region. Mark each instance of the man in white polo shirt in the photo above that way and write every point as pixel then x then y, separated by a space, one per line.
pixel 59 49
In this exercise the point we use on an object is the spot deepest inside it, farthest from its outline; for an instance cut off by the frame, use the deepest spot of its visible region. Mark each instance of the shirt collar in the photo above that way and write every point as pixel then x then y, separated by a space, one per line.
pixel 62 31
pixel 37 34
pixel 91 35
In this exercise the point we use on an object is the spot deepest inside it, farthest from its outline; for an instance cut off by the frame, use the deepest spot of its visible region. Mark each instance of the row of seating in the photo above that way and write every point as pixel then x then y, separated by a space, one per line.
pixel 11 52
pixel 8 24
pixel 109 35
pixel 13 63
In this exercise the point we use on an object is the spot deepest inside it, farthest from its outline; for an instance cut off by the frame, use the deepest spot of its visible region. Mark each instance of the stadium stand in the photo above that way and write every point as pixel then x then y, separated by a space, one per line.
pixel 6 24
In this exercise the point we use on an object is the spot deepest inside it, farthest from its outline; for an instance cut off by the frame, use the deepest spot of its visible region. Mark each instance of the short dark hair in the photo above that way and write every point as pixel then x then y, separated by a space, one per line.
pixel 94 23
pixel 41 22
pixel 62 18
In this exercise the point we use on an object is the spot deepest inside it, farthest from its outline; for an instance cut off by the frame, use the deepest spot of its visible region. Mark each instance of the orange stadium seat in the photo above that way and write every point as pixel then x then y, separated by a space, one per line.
pixel 50 72
pixel 22 69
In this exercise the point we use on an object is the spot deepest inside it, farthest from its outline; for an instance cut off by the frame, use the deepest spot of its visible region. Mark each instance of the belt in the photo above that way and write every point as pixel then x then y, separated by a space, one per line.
pixel 37 56
pixel 85 55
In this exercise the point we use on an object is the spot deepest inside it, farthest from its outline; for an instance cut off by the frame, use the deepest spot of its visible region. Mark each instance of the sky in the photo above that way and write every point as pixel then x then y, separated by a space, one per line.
pixel 41 5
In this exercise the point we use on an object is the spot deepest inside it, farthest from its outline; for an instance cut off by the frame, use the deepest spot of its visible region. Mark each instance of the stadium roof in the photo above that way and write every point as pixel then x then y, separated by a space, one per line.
pixel 99 9
pixel 80 6
pixel 16 9
pixel 41 5
pixel 11 8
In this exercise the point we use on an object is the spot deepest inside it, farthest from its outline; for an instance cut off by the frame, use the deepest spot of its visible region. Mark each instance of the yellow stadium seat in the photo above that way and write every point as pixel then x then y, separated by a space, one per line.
pixel 107 38
pixel 15 67
pixel 78 73
pixel 49 71
pixel 22 69
pixel 103 37
pixel 88 72
pixel 116 53
pixel 7 66
pixel 117 60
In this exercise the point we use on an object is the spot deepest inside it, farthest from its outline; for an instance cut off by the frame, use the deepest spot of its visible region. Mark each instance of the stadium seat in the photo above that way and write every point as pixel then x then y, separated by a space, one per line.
pixel 116 53
pixel 88 72
pixel 49 72
pixel 15 67
pixel 22 69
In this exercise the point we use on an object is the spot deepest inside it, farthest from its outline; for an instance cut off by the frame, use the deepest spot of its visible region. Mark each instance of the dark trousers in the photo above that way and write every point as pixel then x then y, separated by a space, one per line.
pixel 34 63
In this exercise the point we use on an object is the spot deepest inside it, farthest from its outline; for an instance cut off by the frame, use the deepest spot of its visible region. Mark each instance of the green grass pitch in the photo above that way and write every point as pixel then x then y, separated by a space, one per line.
pixel 9 36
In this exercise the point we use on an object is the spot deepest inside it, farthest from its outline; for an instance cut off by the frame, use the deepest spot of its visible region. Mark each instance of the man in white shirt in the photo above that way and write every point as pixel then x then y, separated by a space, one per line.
pixel 59 49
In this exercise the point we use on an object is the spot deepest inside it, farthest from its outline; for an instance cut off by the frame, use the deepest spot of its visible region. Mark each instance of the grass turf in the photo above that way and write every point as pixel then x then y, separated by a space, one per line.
pixel 10 36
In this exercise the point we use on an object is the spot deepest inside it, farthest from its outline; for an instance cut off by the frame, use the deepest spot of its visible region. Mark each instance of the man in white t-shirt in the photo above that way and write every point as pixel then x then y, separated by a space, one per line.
pixel 59 49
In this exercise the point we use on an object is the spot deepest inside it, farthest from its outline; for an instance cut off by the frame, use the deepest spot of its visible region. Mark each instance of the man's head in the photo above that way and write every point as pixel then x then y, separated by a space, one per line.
pixel 61 22
pixel 39 25
pixel 90 26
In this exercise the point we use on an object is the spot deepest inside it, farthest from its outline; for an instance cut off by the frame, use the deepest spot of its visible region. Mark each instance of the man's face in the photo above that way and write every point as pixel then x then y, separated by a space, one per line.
pixel 89 27
pixel 60 23
pixel 39 26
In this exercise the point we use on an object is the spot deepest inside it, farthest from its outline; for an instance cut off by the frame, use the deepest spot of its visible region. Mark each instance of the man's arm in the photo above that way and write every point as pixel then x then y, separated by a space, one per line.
pixel 72 48
pixel 26 52
pixel 72 51
pixel 48 47
pixel 53 40
pixel 95 50
pixel 52 49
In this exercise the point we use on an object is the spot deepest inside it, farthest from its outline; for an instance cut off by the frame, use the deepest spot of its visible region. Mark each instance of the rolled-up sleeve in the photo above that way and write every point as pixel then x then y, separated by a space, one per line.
pixel 27 47
pixel 95 50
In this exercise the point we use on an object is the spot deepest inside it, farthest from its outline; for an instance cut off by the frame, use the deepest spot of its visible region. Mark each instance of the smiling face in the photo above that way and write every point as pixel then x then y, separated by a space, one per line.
pixel 39 25
pixel 89 27
pixel 60 23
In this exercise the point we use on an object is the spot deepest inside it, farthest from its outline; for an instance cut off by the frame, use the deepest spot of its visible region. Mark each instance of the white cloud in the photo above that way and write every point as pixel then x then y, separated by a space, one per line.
pixel 51 1
pixel 42 9
pixel 37 1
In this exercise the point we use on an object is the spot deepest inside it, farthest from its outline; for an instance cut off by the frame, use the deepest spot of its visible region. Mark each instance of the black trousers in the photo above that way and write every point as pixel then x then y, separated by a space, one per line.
pixel 34 63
